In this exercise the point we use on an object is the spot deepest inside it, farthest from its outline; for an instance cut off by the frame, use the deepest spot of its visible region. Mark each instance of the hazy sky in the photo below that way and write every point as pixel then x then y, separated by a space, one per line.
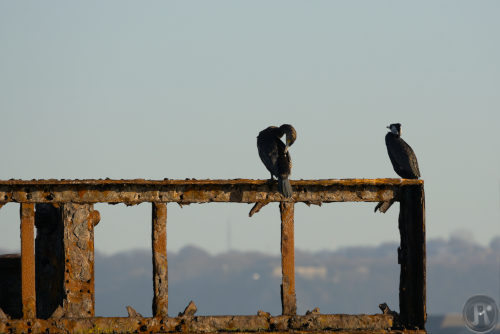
pixel 180 89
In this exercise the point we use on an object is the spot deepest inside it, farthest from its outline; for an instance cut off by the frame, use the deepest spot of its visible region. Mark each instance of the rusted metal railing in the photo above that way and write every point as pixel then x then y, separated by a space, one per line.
pixel 69 204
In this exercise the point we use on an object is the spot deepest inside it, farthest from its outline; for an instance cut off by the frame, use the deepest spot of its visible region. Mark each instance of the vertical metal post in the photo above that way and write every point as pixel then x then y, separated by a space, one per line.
pixel 28 294
pixel 78 239
pixel 288 299
pixel 412 284
pixel 160 264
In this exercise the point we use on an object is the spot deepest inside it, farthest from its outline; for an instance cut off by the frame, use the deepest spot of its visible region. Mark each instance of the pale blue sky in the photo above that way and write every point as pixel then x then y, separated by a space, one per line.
pixel 177 89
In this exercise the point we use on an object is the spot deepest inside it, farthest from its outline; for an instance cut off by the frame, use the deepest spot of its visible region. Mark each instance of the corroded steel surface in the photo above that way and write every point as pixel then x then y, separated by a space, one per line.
pixel 206 182
pixel 379 323
pixel 160 265
pixel 198 191
pixel 288 298
pixel 28 294
pixel 78 239
pixel 76 198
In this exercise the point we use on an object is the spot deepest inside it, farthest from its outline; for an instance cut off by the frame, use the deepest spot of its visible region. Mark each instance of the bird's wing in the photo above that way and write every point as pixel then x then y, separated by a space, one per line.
pixel 273 157
pixel 272 153
pixel 268 152
pixel 402 157
pixel 283 161
pixel 413 160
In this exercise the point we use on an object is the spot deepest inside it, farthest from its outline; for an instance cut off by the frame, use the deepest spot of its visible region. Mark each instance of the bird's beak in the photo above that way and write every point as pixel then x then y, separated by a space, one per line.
pixel 388 127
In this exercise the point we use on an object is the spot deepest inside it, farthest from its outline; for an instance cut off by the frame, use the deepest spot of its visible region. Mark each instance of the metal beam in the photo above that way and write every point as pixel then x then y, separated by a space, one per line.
pixel 340 323
pixel 199 191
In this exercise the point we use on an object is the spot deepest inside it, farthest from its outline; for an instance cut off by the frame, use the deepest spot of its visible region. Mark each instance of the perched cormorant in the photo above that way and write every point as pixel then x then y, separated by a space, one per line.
pixel 402 157
pixel 275 156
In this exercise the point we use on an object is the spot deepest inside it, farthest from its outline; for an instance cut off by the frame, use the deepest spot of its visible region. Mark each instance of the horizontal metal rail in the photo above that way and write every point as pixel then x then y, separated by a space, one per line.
pixel 340 323
pixel 199 191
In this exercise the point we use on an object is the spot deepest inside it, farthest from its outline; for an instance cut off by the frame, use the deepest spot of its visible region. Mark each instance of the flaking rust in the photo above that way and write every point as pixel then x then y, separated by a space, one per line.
pixel 133 192
pixel 160 264
pixel 78 243
pixel 288 299
pixel 28 260
pixel 339 323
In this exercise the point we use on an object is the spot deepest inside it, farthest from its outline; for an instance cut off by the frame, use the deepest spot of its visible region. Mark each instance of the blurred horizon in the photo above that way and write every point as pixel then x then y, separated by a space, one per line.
pixel 457 236
pixel 349 280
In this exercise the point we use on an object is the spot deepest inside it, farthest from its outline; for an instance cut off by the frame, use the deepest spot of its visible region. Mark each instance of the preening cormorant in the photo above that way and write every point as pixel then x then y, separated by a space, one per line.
pixel 402 156
pixel 403 159
pixel 275 156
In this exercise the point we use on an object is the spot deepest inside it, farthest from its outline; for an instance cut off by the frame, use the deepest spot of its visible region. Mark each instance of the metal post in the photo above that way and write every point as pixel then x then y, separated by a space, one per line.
pixel 412 284
pixel 288 299
pixel 79 221
pixel 28 293
pixel 160 264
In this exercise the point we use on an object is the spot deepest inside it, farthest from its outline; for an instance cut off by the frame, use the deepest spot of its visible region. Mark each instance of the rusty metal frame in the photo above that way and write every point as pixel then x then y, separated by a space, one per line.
pixel 82 194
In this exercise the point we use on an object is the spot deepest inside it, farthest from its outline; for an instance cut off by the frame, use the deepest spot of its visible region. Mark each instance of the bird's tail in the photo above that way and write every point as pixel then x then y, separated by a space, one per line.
pixel 285 187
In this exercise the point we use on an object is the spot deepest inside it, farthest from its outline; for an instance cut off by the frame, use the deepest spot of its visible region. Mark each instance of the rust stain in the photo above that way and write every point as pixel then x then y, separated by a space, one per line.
pixel 79 260
pixel 160 264
pixel 288 299
pixel 81 193
pixel 131 192
pixel 28 260
pixel 94 218
pixel 205 182
pixel 339 323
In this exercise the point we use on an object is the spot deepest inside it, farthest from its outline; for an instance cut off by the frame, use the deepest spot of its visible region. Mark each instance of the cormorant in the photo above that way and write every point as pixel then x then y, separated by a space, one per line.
pixel 402 156
pixel 403 159
pixel 275 156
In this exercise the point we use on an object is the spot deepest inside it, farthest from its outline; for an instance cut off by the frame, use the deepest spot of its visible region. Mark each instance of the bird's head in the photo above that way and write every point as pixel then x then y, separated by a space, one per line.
pixel 290 133
pixel 395 128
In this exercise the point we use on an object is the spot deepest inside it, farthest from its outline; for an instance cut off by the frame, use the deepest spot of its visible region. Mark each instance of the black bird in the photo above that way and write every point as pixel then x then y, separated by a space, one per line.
pixel 275 156
pixel 403 159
